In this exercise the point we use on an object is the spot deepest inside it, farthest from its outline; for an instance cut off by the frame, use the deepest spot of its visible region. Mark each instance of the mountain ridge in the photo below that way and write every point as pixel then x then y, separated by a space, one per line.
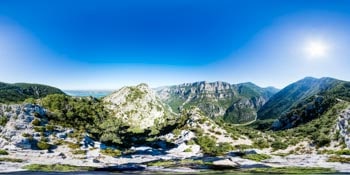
pixel 217 99
pixel 18 92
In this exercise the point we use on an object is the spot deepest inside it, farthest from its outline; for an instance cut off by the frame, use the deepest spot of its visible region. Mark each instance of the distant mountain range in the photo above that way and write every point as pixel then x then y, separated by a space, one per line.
pixel 87 93
pixel 234 103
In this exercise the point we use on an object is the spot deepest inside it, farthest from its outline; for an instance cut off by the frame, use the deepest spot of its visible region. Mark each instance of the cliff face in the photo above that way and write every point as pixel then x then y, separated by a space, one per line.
pixel 343 126
pixel 138 106
pixel 237 103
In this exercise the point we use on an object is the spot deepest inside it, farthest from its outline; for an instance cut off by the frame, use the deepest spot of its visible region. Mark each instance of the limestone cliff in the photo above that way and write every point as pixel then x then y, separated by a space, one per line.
pixel 237 103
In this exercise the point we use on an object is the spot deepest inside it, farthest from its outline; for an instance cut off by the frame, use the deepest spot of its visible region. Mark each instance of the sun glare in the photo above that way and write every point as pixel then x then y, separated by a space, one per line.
pixel 316 49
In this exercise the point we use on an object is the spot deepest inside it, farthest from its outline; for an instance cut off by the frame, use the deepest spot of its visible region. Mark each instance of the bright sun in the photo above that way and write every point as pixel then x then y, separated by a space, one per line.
pixel 316 49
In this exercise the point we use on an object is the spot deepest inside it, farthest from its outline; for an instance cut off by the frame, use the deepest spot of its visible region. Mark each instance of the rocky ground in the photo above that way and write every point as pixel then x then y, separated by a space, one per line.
pixel 19 146
pixel 135 161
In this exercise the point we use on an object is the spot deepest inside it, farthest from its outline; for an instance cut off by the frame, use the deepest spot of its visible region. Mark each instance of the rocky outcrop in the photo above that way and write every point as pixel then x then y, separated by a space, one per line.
pixel 26 125
pixel 225 164
pixel 19 130
pixel 138 106
pixel 343 126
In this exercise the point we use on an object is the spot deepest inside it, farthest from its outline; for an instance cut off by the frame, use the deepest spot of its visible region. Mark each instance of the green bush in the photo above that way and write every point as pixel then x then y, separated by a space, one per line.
pixel 8 159
pixel 261 143
pixel 36 122
pixel 279 145
pixel 322 140
pixel 209 146
pixel 339 159
pixel 56 168
pixel 343 152
pixel 111 152
pixel 50 128
pixel 256 157
pixel 206 143
pixel 26 135
pixel 79 152
pixel 188 150
pixel 43 145
pixel 39 129
pixel 73 145
pixel 3 152
pixel 3 120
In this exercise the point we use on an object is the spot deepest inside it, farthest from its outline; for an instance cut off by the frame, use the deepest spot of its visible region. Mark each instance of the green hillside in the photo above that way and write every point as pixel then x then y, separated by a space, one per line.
pixel 18 92
pixel 294 94
pixel 302 102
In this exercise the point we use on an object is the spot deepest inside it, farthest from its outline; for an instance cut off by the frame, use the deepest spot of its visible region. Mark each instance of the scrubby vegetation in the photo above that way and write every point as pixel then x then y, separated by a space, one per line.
pixel 43 145
pixel 3 120
pixel 7 159
pixel 291 170
pixel 78 113
pixel 339 159
pixel 14 93
pixel 111 152
pixel 319 130
pixel 337 152
pixel 210 147
pixel 256 157
pixel 56 168
pixel 3 152
pixel 179 163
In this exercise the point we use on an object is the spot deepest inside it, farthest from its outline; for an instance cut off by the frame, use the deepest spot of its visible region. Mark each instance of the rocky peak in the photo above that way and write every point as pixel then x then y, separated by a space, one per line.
pixel 138 106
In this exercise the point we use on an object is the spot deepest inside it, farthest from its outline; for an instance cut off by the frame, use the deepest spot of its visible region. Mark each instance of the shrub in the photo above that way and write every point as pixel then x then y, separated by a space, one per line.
pixel 39 129
pixel 339 159
pixel 191 142
pixel 7 159
pixel 36 122
pixel 43 145
pixel 256 157
pixel 209 146
pixel 343 152
pixel 49 128
pixel 177 132
pixel 3 152
pixel 26 135
pixel 79 152
pixel 322 140
pixel 206 143
pixel 261 143
pixel 73 145
pixel 111 152
pixel 56 168
pixel 279 145
pixel 242 147
pixel 188 150
pixel 3 120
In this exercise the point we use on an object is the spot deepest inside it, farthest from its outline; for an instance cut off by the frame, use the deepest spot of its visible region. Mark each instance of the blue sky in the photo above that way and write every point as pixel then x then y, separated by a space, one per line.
pixel 109 44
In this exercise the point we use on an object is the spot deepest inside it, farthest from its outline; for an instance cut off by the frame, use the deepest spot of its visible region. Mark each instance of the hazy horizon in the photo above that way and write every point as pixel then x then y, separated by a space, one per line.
pixel 105 45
